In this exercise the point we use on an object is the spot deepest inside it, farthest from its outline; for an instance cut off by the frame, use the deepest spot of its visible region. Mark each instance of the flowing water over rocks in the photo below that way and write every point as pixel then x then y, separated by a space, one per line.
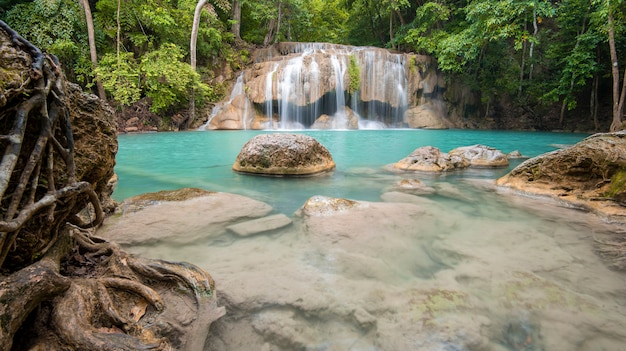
pixel 329 86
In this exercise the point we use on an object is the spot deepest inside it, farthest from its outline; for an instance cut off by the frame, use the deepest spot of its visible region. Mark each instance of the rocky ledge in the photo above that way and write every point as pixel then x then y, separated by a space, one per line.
pixel 590 175
pixel 284 155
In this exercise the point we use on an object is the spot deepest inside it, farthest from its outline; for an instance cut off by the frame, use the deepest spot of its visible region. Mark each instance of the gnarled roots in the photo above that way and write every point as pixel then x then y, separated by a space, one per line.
pixel 116 301
pixel 61 288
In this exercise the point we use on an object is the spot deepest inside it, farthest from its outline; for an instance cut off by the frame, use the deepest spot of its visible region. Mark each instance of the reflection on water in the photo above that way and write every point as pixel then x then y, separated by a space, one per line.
pixel 466 268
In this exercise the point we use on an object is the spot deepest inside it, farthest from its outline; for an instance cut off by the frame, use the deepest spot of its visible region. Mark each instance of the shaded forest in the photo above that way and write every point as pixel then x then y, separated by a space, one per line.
pixel 561 63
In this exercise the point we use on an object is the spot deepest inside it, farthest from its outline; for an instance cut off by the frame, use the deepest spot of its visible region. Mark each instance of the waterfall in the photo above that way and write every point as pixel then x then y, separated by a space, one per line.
pixel 340 121
pixel 269 98
pixel 302 84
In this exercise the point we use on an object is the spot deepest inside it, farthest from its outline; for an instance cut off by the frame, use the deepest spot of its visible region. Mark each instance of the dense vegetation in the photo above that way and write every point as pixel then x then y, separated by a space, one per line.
pixel 536 55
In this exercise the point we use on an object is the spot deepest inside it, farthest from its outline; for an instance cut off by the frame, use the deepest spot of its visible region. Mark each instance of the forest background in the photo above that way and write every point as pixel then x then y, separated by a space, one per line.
pixel 558 62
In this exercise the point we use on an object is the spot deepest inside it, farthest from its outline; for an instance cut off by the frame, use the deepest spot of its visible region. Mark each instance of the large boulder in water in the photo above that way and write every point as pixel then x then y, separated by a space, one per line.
pixel 590 175
pixel 284 155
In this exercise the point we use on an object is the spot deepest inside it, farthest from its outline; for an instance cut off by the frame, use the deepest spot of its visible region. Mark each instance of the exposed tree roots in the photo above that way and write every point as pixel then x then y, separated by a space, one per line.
pixel 60 287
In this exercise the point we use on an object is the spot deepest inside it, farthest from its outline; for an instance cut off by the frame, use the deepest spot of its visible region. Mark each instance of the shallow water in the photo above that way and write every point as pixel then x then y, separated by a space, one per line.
pixel 468 268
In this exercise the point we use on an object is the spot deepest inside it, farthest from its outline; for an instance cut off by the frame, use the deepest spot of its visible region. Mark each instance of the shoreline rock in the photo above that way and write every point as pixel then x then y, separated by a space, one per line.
pixel 590 175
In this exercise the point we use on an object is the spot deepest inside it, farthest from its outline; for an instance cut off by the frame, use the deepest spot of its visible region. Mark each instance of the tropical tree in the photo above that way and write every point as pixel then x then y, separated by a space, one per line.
pixel 92 45
pixel 58 27
pixel 614 11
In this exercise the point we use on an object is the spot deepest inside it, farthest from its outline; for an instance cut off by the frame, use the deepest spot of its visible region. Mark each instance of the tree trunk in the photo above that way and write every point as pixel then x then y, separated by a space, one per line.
pixel 391 29
pixel 192 55
pixel 593 105
pixel 618 97
pixel 532 46
pixel 236 27
pixel 92 47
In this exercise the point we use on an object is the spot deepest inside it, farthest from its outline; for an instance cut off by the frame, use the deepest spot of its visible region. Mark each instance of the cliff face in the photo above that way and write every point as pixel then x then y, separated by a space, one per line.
pixel 293 85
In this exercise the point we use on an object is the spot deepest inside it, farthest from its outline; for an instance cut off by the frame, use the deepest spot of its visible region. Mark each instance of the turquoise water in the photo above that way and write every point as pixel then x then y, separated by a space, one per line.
pixel 166 161
pixel 465 269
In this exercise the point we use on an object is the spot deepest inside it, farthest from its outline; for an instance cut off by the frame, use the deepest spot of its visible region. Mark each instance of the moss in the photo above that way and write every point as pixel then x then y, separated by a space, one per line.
pixel 172 195
pixel 412 65
pixel 354 72
pixel 430 304
pixel 535 293
pixel 618 183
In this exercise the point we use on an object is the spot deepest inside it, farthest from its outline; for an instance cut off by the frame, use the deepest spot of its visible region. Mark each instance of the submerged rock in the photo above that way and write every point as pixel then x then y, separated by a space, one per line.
pixel 284 155
pixel 590 174
pixel 413 186
pixel 260 225
pixel 179 217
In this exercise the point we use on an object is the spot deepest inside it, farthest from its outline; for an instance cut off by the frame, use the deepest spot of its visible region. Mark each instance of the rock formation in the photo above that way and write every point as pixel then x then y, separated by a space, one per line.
pixel 481 156
pixel 590 175
pixel 61 287
pixel 284 155
pixel 303 84
pixel 431 159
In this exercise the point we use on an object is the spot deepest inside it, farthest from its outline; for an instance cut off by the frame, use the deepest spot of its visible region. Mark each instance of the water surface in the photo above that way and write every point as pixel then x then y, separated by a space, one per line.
pixel 467 268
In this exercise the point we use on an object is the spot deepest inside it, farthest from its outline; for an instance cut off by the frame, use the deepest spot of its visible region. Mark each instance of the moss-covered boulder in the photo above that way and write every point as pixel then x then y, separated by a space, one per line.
pixel 284 155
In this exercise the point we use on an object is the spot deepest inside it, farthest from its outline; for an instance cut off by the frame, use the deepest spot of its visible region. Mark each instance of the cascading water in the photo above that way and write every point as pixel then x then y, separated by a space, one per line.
pixel 340 118
pixel 312 85
pixel 269 106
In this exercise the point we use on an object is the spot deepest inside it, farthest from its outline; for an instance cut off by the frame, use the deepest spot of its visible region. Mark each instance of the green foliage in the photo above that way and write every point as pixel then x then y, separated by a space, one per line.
pixel 120 78
pixel 55 26
pixel 354 73
pixel 168 81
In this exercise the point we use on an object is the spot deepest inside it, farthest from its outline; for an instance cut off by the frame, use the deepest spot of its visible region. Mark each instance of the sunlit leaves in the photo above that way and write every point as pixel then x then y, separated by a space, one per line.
pixel 168 81
pixel 120 78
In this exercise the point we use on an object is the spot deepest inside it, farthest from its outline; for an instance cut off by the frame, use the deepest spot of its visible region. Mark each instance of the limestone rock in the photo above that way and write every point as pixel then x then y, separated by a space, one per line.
pixel 431 159
pixel 284 155
pixel 426 116
pixel 413 186
pixel 347 120
pixel 191 216
pixel 324 206
pixel 481 156
pixel 590 174
pixel 260 225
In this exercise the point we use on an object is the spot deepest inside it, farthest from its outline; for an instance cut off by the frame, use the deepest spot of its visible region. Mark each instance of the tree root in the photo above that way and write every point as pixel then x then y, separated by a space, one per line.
pixel 60 288
pixel 132 303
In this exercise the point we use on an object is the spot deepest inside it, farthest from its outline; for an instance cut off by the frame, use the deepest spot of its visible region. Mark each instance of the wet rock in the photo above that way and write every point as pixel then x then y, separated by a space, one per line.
pixel 413 186
pixel 590 175
pixel 426 116
pixel 192 216
pixel 284 155
pixel 349 120
pixel 324 206
pixel 431 159
pixel 515 154
pixel 481 156
pixel 260 225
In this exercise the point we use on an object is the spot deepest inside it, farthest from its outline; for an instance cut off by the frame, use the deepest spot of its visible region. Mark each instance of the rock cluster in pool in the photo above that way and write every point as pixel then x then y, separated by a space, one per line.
pixel 431 159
